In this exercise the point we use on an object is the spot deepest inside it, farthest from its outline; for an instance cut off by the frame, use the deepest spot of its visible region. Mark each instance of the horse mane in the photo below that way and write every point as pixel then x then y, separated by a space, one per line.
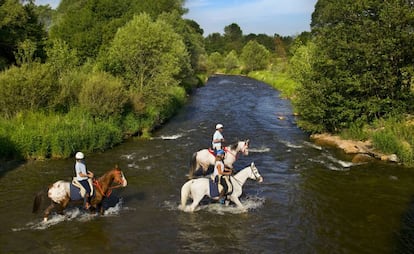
pixel 116 168
pixel 234 146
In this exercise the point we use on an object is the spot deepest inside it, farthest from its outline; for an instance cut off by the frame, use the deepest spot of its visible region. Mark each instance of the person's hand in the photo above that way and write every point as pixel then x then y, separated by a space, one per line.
pixel 90 174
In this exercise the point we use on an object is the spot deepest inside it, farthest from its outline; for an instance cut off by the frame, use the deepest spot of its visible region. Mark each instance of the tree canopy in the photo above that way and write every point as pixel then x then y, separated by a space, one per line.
pixel 363 68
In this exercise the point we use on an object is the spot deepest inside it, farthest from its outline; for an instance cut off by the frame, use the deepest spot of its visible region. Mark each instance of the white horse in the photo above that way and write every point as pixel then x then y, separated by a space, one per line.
pixel 200 187
pixel 205 158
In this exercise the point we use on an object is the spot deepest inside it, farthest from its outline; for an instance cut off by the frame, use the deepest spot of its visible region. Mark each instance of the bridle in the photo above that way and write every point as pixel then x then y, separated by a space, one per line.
pixel 242 150
pixel 110 188
pixel 255 172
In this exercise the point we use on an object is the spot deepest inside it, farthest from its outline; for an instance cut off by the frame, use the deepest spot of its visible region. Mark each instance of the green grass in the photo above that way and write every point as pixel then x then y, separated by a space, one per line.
pixel 280 81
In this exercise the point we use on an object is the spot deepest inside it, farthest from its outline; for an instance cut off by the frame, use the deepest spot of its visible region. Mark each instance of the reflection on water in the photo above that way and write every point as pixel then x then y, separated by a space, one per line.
pixel 313 199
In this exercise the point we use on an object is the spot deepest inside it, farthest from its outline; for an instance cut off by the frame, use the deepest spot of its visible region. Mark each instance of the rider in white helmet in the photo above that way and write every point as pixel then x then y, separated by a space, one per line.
pixel 82 176
pixel 218 138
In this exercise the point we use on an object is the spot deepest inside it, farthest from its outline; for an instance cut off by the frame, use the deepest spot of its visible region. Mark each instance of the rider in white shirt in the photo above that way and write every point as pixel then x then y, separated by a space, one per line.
pixel 82 176
pixel 218 138
pixel 219 172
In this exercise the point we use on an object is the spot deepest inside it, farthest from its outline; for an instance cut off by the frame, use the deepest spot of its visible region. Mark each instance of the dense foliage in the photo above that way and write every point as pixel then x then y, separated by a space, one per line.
pixel 109 69
pixel 362 64
pixel 18 22
pixel 91 72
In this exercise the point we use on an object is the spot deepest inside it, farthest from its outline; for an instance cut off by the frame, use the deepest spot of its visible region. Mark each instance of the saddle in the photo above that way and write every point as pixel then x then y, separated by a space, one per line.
pixel 82 190
pixel 213 152
pixel 224 184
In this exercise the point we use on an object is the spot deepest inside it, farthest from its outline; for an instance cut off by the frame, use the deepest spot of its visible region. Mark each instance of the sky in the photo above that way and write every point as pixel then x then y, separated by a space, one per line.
pixel 283 17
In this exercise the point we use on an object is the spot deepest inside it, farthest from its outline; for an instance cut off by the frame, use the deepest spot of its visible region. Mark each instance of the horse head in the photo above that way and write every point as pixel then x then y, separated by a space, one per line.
pixel 243 147
pixel 119 177
pixel 255 175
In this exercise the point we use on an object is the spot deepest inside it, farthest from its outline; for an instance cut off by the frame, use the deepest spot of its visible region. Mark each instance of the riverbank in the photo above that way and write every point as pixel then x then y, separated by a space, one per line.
pixel 363 151
pixel 390 139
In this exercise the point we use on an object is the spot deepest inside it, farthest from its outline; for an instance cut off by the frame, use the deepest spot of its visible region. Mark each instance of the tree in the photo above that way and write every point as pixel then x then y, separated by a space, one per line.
pixel 215 62
pixel 214 43
pixel 231 61
pixel 193 40
pixel 233 37
pixel 18 23
pixel 148 55
pixel 90 25
pixel 364 63
pixel 254 56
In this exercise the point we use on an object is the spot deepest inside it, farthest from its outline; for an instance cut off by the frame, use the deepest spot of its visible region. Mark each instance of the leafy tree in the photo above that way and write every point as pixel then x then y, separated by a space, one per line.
pixel 29 87
pixel 45 15
pixel 148 55
pixel 263 39
pixel 103 95
pixel 364 65
pixel 214 62
pixel 191 38
pixel 254 56
pixel 301 61
pixel 18 22
pixel 233 37
pixel 231 61
pixel 90 25
pixel 214 43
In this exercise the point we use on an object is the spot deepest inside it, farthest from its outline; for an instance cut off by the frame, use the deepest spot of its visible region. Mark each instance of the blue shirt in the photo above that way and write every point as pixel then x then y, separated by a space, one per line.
pixel 80 167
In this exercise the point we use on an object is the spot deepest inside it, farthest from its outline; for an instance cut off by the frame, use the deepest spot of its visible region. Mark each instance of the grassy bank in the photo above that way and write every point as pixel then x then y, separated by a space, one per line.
pixel 389 136
pixel 40 135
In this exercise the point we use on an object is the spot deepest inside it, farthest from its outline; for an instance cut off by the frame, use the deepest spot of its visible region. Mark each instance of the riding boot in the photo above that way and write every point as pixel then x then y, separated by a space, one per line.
pixel 86 203
pixel 222 198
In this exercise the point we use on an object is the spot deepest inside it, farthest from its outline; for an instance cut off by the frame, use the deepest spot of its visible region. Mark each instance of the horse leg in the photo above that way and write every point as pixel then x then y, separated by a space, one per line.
pixel 238 203
pixel 48 210
pixel 196 201
pixel 63 205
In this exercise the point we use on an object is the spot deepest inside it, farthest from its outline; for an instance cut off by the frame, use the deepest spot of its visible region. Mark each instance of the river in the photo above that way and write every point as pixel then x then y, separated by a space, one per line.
pixel 312 200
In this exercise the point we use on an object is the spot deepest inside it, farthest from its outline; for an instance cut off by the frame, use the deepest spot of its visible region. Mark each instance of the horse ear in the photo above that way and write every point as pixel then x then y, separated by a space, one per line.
pixel 247 141
pixel 116 166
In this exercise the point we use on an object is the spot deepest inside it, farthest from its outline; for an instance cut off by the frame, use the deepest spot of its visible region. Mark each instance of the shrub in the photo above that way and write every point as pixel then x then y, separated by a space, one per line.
pixel 103 95
pixel 29 87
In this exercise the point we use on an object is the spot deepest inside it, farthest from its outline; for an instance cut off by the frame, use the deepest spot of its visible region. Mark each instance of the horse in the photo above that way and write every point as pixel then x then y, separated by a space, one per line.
pixel 205 157
pixel 60 193
pixel 200 187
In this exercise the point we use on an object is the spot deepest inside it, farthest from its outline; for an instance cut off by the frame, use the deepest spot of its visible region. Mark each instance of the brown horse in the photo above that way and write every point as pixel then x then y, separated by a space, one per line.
pixel 60 193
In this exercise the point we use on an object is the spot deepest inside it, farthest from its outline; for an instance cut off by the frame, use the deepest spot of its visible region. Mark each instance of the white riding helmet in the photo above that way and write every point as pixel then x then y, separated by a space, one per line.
pixel 219 126
pixel 79 156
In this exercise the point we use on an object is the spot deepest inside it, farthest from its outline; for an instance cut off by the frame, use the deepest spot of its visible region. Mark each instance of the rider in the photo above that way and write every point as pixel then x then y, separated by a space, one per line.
pixel 218 138
pixel 220 171
pixel 82 176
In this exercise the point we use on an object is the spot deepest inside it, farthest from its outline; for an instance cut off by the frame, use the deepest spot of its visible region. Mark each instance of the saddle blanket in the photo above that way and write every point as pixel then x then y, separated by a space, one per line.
pixel 74 192
pixel 213 189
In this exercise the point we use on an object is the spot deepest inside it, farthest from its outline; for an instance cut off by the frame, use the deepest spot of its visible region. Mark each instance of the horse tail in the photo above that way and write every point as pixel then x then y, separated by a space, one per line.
pixel 38 201
pixel 193 165
pixel 185 193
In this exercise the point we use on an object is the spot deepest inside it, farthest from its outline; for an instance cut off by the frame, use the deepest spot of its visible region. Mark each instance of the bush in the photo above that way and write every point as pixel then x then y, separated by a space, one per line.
pixel 102 95
pixel 37 135
pixel 29 87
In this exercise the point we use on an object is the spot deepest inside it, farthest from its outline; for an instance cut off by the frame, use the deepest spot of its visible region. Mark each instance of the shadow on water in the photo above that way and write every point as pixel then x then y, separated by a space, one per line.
pixel 405 236
pixel 7 166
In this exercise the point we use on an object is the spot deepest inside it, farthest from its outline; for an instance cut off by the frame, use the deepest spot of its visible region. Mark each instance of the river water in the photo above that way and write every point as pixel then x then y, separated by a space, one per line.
pixel 312 200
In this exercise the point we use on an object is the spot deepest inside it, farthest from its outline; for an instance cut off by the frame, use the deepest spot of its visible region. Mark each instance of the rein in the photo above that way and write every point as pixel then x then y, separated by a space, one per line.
pixel 229 151
pixel 237 152
pixel 108 192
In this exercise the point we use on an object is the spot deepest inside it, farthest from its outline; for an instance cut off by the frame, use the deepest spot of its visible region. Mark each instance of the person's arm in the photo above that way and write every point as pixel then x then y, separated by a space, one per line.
pixel 88 174
pixel 223 171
